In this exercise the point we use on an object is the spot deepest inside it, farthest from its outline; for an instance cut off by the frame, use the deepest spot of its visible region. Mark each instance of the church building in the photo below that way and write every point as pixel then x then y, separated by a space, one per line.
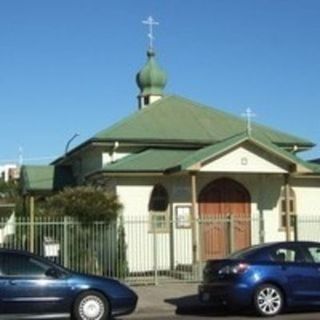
pixel 176 163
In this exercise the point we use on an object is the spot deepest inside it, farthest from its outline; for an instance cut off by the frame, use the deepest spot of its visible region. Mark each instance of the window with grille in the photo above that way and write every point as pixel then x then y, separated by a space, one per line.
pixel 283 208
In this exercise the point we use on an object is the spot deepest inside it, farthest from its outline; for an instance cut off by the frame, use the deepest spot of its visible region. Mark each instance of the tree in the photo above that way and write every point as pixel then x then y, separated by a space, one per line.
pixel 85 203
pixel 87 206
pixel 10 194
pixel 9 190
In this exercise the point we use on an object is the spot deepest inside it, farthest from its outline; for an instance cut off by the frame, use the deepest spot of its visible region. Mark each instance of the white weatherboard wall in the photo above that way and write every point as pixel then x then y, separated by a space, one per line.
pixel 182 239
pixel 180 195
pixel 265 192
pixel 245 159
pixel 307 193
pixel 176 249
pixel 140 242
pixel 308 196
pixel 108 157
pixel 146 249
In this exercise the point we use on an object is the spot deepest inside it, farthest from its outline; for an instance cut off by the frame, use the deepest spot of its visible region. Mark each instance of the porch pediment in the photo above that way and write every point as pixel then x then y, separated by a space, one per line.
pixel 245 153
pixel 246 158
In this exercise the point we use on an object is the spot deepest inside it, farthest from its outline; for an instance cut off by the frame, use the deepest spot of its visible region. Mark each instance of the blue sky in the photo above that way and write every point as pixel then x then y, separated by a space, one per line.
pixel 69 66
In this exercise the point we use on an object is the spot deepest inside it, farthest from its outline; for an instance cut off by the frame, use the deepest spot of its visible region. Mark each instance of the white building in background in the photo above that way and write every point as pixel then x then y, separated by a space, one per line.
pixel 9 172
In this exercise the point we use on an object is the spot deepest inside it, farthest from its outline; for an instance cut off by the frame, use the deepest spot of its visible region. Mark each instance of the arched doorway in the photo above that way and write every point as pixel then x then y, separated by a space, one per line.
pixel 224 208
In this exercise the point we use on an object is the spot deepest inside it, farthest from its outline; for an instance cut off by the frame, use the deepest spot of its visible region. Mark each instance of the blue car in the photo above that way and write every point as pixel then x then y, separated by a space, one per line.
pixel 32 287
pixel 266 278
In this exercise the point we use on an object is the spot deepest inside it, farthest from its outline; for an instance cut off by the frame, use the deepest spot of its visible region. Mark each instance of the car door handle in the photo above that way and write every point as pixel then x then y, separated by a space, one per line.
pixel 12 282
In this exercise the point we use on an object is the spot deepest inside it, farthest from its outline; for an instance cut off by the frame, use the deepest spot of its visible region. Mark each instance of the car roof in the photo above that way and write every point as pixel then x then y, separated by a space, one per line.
pixel 256 249
pixel 20 251
pixel 274 243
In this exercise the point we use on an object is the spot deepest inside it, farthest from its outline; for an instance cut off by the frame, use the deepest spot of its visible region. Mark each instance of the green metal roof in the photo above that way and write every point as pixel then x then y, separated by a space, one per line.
pixel 174 160
pixel 150 160
pixel 176 119
pixel 315 167
pixel 45 178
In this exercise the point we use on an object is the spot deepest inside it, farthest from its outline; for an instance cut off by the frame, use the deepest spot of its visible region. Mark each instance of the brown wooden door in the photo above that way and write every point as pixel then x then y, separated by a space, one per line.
pixel 218 201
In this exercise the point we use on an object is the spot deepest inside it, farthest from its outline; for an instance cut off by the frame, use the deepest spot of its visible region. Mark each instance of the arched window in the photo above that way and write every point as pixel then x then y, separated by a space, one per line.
pixel 283 208
pixel 158 208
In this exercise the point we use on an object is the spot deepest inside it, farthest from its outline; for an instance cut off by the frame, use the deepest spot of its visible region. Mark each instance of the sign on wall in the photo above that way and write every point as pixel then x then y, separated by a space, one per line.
pixel 183 216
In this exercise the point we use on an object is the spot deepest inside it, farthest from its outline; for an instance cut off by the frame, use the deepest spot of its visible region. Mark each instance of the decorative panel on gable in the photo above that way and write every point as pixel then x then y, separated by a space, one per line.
pixel 246 159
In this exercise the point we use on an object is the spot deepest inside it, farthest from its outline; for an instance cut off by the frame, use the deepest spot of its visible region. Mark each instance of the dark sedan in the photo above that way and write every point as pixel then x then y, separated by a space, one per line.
pixel 33 287
pixel 266 278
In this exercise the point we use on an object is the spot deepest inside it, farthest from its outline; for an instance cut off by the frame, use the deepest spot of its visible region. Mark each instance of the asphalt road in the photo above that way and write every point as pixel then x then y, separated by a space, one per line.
pixel 180 302
pixel 222 316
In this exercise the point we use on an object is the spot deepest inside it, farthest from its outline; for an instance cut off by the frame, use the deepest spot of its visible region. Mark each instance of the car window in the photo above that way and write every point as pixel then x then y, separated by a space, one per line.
pixel 22 265
pixel 245 253
pixel 286 254
pixel 277 253
pixel 314 252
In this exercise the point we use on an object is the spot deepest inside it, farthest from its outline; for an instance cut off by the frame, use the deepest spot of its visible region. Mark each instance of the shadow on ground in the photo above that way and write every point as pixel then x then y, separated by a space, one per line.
pixel 190 305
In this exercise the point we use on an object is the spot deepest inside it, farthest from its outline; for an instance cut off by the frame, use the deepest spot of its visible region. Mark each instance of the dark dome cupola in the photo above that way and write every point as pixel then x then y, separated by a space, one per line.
pixel 151 81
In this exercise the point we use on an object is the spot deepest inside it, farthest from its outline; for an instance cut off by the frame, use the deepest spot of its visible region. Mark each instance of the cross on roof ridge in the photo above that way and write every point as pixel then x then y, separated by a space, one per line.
pixel 249 115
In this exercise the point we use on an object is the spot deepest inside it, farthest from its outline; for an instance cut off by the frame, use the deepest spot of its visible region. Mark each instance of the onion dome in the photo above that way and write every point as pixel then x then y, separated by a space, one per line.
pixel 151 79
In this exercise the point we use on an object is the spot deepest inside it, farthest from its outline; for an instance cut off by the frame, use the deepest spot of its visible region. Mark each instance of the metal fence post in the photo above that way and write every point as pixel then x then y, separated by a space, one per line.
pixel 261 227
pixel 200 248
pixel 65 242
pixel 155 258
pixel 32 237
pixel 231 232
pixel 295 227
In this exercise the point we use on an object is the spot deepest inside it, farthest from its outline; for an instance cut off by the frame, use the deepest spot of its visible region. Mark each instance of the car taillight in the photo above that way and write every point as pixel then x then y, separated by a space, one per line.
pixel 237 268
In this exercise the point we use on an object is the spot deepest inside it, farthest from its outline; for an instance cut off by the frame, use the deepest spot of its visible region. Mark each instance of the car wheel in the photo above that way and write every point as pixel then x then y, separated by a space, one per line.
pixel 91 305
pixel 268 300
